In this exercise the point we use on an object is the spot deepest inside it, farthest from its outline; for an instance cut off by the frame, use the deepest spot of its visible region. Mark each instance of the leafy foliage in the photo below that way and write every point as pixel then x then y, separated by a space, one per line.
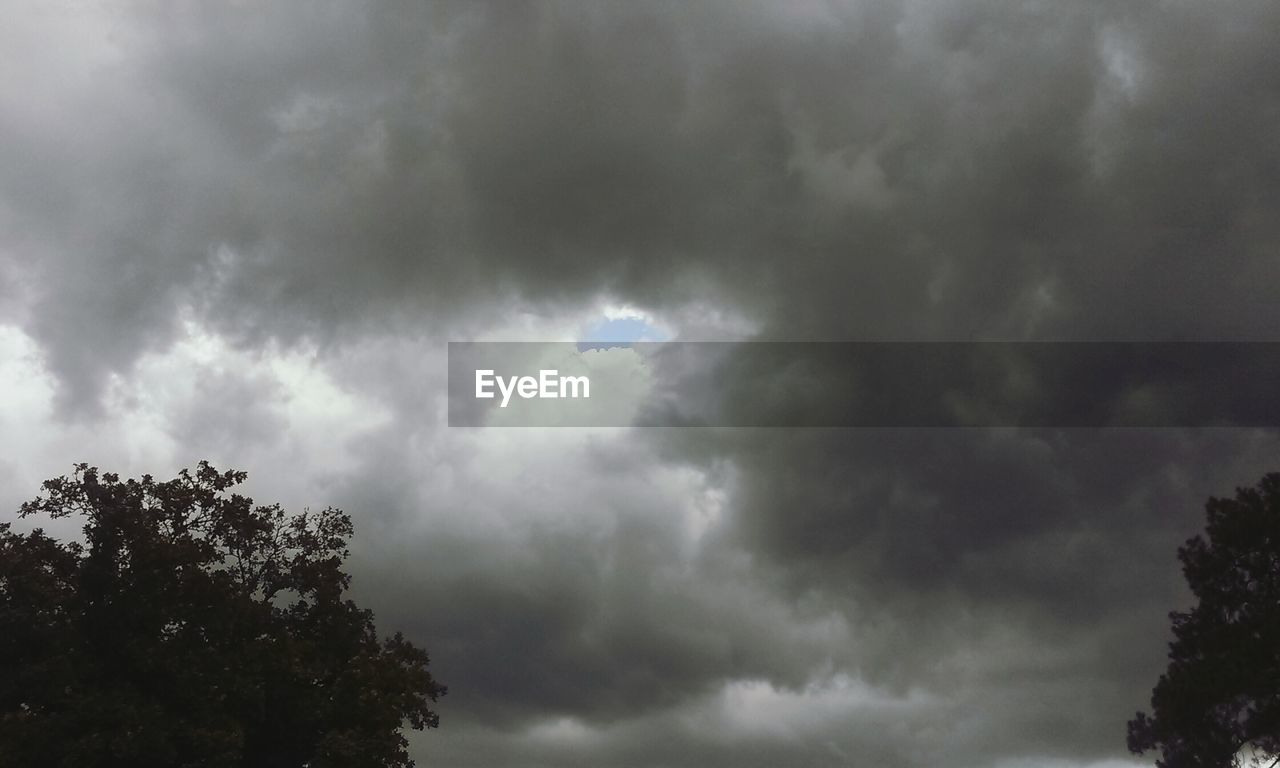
pixel 1219 701
pixel 193 628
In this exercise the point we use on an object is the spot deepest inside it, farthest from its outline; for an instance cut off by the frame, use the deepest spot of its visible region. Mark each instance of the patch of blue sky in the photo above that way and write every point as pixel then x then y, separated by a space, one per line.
pixel 619 332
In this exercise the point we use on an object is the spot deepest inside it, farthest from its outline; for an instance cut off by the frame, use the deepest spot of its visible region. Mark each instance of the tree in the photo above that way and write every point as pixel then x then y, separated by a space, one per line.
pixel 1219 700
pixel 193 628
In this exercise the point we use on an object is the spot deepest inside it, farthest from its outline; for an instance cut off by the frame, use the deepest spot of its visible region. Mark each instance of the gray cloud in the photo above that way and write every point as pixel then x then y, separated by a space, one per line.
pixel 890 171
pixel 345 186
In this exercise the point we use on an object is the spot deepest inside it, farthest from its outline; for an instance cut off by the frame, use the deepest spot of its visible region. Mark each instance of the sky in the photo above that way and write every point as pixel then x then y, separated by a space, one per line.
pixel 246 233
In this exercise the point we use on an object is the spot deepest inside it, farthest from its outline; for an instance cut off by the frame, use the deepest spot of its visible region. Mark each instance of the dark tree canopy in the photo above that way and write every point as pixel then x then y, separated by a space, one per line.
pixel 1219 701
pixel 193 628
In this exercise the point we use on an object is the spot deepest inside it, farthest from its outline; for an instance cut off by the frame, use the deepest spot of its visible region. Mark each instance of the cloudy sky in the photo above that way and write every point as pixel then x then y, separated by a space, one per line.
pixel 246 231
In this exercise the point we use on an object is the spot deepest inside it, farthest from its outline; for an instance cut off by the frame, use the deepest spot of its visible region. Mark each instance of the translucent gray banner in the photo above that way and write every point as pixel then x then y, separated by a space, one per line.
pixel 865 384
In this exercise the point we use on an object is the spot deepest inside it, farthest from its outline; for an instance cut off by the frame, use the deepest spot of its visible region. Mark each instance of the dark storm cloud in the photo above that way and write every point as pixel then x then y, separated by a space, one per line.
pixel 893 170
pixel 590 602
pixel 971 170
pixel 1063 539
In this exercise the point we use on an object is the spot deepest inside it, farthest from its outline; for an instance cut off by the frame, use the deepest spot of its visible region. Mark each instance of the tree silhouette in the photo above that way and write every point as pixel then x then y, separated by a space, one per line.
pixel 193 628
pixel 1219 701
